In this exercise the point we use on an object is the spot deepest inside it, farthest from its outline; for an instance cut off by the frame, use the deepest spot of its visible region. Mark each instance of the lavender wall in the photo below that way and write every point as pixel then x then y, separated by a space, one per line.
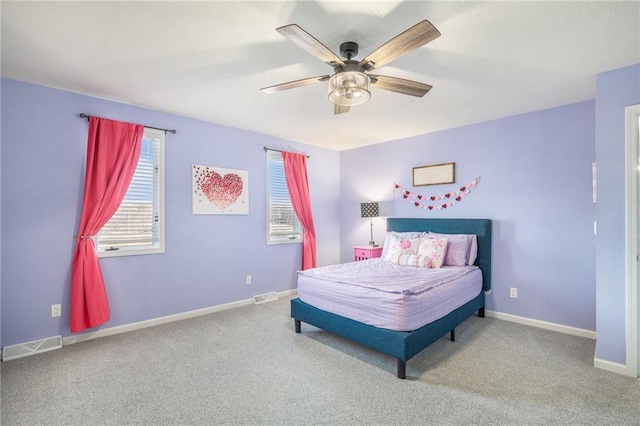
pixel 207 257
pixel 615 91
pixel 536 186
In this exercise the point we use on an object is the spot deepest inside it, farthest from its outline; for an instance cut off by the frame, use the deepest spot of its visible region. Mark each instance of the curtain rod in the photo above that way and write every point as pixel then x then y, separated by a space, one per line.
pixel 277 150
pixel 83 115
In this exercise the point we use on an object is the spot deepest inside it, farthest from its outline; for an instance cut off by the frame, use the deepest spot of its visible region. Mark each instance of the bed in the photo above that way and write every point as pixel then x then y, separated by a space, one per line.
pixel 403 345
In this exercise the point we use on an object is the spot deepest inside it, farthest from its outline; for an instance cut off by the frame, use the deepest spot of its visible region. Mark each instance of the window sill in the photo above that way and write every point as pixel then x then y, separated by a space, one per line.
pixel 123 252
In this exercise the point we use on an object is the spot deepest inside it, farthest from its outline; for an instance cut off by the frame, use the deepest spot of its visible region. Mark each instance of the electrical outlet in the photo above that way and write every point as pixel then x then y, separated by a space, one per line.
pixel 56 310
pixel 248 280
pixel 513 293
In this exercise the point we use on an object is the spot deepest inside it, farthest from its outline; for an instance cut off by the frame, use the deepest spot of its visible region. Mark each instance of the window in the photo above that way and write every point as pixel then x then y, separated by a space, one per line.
pixel 283 225
pixel 137 227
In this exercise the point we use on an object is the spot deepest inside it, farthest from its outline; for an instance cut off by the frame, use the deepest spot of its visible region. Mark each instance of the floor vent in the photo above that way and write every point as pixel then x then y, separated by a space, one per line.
pixel 267 297
pixel 31 348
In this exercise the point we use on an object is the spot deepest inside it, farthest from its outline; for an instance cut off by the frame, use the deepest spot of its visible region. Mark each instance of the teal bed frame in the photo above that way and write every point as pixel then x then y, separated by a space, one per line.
pixel 403 345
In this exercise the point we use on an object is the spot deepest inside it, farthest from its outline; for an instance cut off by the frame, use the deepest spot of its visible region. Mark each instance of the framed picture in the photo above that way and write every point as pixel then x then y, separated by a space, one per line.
pixel 435 174
pixel 220 191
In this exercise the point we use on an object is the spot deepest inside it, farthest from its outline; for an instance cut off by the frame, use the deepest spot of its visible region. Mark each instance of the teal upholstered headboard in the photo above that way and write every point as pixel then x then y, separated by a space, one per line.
pixel 479 227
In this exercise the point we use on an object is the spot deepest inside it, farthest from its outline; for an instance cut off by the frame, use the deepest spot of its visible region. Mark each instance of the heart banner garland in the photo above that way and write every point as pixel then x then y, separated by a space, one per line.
pixel 451 197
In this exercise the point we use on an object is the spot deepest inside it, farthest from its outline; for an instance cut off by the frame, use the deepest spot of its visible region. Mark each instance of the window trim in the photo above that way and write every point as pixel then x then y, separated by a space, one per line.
pixel 160 246
pixel 270 154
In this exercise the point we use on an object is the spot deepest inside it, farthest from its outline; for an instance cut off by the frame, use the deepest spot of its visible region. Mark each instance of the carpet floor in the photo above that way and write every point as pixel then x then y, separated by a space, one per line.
pixel 246 366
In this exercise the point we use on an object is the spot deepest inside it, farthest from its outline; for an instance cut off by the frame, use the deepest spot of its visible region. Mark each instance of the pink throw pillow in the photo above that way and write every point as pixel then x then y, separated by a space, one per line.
pixel 399 245
pixel 434 248
pixel 404 235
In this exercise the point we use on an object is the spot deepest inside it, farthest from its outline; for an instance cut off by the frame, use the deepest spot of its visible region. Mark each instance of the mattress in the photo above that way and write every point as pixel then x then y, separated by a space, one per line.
pixel 395 297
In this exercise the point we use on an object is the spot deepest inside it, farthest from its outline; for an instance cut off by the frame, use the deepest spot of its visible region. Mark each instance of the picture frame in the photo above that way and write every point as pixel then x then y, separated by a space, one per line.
pixel 217 190
pixel 435 174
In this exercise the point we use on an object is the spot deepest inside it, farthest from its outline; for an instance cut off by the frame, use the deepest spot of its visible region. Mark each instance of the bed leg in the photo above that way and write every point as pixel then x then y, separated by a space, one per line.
pixel 453 335
pixel 481 312
pixel 297 323
pixel 402 369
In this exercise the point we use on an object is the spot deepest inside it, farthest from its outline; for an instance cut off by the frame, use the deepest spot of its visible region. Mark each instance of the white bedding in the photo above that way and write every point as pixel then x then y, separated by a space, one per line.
pixel 395 297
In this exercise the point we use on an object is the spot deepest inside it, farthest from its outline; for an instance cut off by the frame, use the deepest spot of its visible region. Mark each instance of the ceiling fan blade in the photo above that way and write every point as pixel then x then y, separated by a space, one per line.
pixel 340 109
pixel 420 34
pixel 400 85
pixel 294 84
pixel 309 43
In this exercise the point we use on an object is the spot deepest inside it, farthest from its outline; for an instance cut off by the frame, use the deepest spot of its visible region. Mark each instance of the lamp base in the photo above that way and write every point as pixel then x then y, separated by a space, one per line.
pixel 373 244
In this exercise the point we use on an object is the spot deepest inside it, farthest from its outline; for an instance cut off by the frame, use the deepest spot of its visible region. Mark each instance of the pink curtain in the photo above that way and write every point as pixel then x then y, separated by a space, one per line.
pixel 113 150
pixel 295 170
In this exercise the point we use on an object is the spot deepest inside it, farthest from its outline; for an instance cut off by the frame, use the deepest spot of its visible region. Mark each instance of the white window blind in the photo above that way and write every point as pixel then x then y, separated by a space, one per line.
pixel 137 227
pixel 283 225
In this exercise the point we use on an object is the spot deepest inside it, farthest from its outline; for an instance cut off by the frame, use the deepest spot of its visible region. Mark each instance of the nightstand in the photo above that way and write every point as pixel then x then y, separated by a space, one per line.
pixel 366 252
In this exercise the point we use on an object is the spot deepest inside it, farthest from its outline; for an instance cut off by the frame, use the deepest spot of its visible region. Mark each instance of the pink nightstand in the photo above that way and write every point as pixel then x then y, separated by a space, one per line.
pixel 366 252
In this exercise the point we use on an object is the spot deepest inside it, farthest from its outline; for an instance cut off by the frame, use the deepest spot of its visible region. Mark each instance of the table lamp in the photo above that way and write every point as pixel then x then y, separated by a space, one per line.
pixel 370 210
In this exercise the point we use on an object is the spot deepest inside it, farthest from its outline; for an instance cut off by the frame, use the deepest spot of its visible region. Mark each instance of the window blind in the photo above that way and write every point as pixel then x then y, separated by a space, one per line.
pixel 135 223
pixel 284 225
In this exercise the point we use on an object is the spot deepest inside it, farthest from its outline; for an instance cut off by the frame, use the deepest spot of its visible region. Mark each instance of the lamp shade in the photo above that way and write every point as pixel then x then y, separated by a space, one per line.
pixel 349 88
pixel 371 209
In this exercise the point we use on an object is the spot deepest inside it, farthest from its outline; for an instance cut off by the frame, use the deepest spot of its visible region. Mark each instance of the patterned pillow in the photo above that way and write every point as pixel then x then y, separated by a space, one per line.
pixel 404 235
pixel 412 260
pixel 435 248
pixel 399 245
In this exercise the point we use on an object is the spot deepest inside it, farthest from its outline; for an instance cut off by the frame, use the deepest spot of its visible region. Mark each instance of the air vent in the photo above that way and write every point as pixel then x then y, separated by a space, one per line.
pixel 31 348
pixel 267 297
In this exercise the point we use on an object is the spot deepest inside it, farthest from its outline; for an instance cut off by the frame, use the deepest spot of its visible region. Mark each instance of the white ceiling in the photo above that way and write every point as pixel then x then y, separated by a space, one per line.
pixel 208 60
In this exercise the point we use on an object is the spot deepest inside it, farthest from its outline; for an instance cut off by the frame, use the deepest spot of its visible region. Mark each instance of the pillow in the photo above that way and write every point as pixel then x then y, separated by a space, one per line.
pixel 406 235
pixel 473 250
pixel 457 248
pixel 399 245
pixel 412 260
pixel 434 248
pixel 462 249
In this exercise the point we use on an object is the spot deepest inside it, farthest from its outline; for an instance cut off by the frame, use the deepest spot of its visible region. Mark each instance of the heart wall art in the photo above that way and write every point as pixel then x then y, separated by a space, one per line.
pixel 220 191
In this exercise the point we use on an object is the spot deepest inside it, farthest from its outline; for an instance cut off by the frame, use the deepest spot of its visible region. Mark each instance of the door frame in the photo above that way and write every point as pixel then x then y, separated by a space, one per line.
pixel 632 152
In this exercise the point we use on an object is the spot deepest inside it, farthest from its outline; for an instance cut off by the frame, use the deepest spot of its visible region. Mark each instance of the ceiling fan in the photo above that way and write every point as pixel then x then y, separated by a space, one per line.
pixel 350 84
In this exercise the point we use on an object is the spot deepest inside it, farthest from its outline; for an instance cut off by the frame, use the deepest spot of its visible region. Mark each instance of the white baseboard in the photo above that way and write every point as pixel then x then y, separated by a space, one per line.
pixel 83 337
pixel 602 364
pixel 543 324
pixel 613 367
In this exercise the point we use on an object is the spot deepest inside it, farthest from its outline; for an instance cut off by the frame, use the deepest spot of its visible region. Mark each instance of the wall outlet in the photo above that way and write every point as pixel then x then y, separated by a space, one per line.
pixel 248 280
pixel 56 310
pixel 513 292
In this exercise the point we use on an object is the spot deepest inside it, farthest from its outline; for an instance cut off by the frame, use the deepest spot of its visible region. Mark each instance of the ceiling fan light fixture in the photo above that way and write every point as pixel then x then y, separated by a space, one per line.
pixel 349 88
